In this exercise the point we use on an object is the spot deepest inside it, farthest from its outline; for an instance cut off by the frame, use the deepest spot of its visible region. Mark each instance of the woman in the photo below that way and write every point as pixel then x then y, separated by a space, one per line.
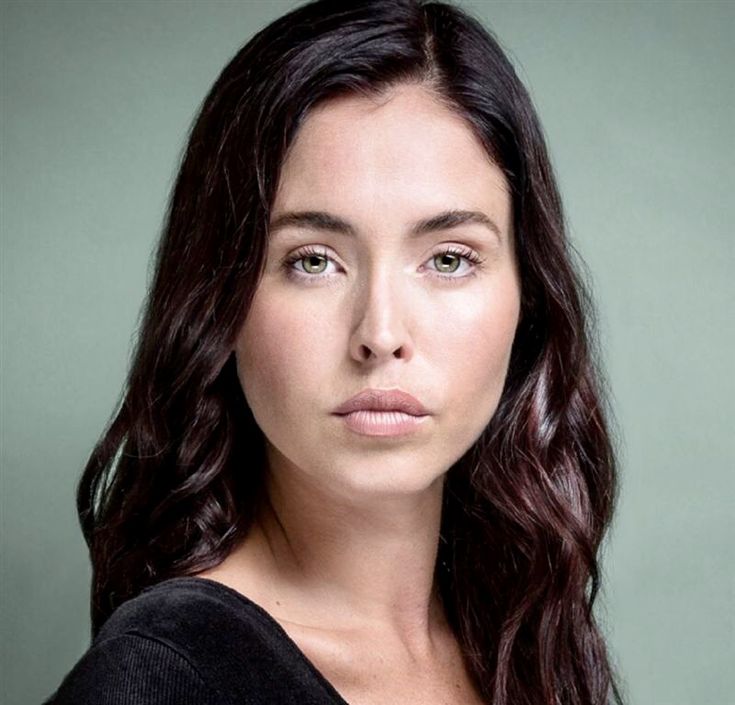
pixel 362 455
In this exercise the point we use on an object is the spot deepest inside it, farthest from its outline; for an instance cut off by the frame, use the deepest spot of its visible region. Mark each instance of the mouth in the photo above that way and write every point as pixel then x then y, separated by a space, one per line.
pixel 376 401
pixel 382 422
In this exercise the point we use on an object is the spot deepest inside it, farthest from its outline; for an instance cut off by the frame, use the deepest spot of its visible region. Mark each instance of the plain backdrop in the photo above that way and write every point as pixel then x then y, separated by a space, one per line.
pixel 637 101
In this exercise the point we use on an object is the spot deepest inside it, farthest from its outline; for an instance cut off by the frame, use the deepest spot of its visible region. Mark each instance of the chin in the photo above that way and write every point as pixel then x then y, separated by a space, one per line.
pixel 383 477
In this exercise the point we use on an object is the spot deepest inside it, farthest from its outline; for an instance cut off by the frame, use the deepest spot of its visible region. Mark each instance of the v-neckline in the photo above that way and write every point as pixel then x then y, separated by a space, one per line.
pixel 270 619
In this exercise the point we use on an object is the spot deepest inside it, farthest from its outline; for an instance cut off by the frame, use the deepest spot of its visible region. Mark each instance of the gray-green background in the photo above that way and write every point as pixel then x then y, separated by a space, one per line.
pixel 637 100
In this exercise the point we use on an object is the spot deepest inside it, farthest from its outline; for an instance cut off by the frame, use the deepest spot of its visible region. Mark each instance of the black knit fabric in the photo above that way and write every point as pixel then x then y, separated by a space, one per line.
pixel 193 641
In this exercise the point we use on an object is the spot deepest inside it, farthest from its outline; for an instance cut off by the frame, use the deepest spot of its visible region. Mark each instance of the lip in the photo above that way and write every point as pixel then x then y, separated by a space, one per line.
pixel 368 422
pixel 383 400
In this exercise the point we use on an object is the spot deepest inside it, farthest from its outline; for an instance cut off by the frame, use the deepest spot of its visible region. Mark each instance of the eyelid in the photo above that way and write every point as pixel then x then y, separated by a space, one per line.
pixel 303 253
pixel 463 251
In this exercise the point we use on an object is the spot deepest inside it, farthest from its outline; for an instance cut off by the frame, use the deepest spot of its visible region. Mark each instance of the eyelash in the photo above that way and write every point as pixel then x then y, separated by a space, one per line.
pixel 311 251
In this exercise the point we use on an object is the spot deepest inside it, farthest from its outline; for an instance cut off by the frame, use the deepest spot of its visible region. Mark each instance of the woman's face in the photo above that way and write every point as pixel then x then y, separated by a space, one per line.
pixel 383 308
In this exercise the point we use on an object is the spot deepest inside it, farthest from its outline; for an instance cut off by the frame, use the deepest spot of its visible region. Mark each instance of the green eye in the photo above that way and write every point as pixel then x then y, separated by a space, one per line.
pixel 446 263
pixel 310 259
pixel 444 266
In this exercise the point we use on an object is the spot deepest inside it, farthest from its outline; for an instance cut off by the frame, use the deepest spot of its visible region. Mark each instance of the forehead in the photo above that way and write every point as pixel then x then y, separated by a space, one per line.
pixel 404 151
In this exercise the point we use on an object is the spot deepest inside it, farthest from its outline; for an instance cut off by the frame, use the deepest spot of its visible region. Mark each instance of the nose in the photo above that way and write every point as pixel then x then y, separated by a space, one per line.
pixel 381 332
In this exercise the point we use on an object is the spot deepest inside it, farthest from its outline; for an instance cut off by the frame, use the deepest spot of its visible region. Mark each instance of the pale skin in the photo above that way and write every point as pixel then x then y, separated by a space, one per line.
pixel 346 563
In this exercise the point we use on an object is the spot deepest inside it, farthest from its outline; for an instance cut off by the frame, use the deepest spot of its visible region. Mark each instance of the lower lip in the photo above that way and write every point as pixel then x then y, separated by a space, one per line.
pixel 382 423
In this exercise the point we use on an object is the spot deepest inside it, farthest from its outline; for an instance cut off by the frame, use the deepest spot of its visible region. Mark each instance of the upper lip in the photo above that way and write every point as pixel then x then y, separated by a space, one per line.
pixel 383 400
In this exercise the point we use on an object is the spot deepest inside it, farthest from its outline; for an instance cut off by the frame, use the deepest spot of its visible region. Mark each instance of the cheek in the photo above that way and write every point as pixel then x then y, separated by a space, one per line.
pixel 274 350
pixel 490 337
pixel 474 352
pixel 479 329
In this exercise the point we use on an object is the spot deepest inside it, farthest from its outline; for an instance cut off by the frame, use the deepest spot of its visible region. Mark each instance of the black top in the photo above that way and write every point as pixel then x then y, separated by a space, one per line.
pixel 193 641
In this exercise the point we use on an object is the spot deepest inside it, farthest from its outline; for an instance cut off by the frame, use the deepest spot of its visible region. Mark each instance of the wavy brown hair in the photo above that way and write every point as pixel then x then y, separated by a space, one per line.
pixel 177 476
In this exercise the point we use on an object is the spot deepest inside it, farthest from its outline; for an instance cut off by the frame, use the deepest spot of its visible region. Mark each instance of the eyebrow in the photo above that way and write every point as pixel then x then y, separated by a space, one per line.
pixel 320 220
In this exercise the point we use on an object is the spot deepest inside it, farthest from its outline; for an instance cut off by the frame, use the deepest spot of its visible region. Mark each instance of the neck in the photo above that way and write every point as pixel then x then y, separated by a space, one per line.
pixel 350 561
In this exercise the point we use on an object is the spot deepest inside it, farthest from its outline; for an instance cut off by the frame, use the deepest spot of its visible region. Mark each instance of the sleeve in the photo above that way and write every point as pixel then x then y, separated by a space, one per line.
pixel 133 669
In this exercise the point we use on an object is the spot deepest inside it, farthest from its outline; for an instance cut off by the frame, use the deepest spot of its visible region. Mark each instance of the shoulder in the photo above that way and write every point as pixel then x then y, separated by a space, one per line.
pixel 192 614
pixel 166 645
pixel 132 668
pixel 184 641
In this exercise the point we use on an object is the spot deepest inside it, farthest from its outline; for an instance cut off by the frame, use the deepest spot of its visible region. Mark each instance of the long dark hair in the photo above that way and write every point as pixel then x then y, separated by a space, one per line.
pixel 177 475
